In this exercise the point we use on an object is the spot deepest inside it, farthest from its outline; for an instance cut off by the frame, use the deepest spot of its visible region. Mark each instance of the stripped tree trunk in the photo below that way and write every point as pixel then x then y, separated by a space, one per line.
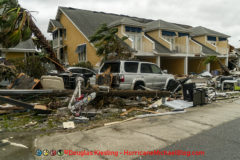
pixel 45 44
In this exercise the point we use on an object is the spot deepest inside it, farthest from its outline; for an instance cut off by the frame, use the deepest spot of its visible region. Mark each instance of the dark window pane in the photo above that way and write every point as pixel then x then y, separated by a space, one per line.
pixel 168 33
pixel 131 67
pixel 114 67
pixel 146 68
pixel 182 34
pixel 210 38
pixel 222 39
pixel 133 29
pixel 76 70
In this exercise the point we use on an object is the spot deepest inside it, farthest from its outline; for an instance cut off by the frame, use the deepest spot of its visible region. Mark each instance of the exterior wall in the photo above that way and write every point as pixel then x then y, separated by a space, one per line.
pixel 75 38
pixel 149 59
pixel 203 40
pixel 194 48
pixel 173 65
pixel 12 55
pixel 155 35
pixel 196 65
pixel 181 44
pixel 222 47
pixel 147 45
pixel 121 33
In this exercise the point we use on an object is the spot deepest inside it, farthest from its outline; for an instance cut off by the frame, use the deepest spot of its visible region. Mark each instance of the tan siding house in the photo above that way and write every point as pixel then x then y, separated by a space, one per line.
pixel 174 47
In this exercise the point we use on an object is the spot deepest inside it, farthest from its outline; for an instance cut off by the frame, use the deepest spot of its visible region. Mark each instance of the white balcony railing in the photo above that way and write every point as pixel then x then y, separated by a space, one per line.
pixel 57 42
pixel 222 50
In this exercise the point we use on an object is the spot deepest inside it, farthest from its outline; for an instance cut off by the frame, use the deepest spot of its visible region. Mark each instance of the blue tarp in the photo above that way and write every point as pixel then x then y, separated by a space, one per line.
pixel 133 29
pixel 222 39
pixel 210 38
pixel 183 34
pixel 168 33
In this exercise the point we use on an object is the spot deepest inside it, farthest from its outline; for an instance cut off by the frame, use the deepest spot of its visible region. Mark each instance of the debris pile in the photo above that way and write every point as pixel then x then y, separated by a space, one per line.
pixel 53 107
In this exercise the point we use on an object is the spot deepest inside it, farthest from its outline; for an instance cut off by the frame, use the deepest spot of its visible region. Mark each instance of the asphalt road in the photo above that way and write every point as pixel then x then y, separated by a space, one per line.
pixel 219 143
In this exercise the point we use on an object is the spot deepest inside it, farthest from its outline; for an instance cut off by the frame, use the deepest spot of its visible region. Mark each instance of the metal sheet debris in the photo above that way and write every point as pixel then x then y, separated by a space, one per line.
pixel 178 104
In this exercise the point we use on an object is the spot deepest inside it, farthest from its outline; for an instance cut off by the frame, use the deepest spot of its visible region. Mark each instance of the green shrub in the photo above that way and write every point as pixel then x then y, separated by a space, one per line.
pixel 32 66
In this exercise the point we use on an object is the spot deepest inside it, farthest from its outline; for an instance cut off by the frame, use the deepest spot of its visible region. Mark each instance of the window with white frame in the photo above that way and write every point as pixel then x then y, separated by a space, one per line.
pixel 81 51
pixel 137 41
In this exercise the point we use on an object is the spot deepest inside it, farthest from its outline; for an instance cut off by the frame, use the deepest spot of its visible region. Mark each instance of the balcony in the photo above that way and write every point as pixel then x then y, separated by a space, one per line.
pixel 58 42
pixel 222 50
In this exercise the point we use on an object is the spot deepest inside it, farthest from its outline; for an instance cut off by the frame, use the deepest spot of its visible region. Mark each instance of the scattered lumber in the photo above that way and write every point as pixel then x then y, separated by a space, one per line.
pixel 130 93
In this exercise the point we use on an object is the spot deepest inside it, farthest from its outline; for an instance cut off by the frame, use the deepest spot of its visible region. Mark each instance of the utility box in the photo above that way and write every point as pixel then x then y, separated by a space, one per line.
pixel 199 96
pixel 188 91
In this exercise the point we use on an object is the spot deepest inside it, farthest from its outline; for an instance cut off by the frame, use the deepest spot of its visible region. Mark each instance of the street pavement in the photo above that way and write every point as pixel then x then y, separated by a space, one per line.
pixel 215 125
pixel 219 143
pixel 145 134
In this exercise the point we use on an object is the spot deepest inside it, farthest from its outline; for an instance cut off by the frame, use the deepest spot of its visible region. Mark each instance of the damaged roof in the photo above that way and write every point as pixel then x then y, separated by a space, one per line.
pixel 199 31
pixel 54 23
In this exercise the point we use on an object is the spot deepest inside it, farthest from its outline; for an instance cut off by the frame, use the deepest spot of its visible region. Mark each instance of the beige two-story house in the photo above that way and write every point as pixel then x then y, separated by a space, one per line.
pixel 180 49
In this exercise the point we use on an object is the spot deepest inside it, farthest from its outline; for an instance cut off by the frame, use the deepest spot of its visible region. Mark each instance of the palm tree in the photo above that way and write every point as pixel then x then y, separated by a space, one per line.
pixel 210 59
pixel 17 25
pixel 106 41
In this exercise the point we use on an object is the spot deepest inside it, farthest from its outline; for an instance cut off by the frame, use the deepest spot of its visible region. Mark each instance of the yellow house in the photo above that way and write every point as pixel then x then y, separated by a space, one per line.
pixel 22 50
pixel 180 49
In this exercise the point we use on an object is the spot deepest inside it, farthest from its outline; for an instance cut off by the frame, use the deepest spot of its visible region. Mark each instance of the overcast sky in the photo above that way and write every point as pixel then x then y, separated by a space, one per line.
pixel 219 15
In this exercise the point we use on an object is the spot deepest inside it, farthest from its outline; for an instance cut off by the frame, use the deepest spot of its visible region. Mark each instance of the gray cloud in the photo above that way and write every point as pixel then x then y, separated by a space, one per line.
pixel 220 15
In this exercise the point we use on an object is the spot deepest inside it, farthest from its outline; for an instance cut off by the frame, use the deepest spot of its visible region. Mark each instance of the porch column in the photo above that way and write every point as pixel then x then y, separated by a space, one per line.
pixel 159 61
pixel 226 61
pixel 58 45
pixel 186 65
pixel 208 67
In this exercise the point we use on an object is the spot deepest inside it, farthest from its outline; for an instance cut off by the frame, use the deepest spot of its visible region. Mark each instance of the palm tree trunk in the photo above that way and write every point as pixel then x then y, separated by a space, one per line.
pixel 44 44
pixel 224 68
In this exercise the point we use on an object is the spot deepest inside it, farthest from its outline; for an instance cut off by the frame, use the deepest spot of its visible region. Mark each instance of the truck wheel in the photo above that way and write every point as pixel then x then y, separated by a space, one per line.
pixel 138 86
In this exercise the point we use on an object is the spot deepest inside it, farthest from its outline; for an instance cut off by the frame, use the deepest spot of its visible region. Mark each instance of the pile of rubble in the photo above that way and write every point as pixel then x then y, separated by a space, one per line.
pixel 51 106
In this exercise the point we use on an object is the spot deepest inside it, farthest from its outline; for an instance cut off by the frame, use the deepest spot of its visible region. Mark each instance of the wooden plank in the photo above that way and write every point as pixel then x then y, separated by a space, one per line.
pixel 16 102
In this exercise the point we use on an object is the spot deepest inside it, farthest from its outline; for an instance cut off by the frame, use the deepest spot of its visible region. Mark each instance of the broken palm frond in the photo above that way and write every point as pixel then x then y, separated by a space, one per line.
pixel 211 59
pixel 7 72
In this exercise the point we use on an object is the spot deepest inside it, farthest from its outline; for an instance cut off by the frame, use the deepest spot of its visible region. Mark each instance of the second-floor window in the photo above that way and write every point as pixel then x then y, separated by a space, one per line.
pixel 168 36
pixel 55 34
pixel 212 40
pixel 81 51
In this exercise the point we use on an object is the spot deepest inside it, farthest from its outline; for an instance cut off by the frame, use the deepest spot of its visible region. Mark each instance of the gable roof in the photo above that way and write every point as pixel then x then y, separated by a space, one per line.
pixel 199 31
pixel 89 21
pixel 24 46
pixel 160 24
pixel 126 21
pixel 54 23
